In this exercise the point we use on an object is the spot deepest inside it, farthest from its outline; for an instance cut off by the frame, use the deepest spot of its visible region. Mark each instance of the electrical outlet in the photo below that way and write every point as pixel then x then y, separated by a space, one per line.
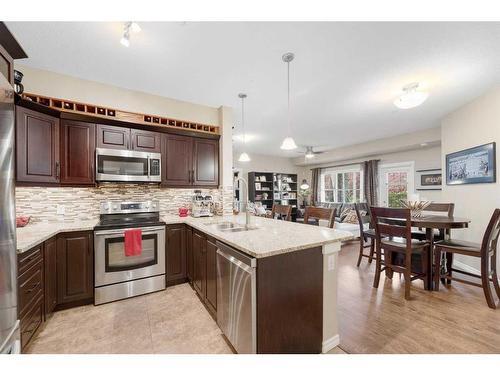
pixel 331 262
pixel 61 209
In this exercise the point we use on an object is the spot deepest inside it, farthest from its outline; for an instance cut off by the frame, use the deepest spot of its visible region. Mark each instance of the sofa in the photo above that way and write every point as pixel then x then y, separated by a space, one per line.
pixel 339 208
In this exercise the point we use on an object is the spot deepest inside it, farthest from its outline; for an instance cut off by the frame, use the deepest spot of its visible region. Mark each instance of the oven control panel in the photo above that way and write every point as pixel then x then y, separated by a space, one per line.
pixel 117 207
pixel 154 169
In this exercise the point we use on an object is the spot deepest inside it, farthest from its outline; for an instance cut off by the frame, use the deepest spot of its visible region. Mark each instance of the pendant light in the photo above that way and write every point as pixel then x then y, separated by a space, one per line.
pixel 243 156
pixel 288 142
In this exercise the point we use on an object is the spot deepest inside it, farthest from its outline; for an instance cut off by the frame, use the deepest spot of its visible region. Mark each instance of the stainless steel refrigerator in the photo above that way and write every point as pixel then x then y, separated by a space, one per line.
pixel 9 324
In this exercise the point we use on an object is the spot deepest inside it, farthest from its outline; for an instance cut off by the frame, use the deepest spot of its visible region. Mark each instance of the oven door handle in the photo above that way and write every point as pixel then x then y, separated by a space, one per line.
pixel 122 231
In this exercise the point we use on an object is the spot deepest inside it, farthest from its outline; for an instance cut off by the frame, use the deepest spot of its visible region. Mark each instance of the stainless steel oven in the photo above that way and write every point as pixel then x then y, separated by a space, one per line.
pixel 127 166
pixel 118 276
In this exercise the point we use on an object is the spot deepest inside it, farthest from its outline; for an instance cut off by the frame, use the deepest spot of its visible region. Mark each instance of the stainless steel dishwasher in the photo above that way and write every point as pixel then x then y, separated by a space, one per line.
pixel 236 298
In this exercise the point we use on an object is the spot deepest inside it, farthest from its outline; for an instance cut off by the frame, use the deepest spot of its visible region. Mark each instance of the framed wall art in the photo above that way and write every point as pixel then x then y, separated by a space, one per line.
pixel 472 166
pixel 429 179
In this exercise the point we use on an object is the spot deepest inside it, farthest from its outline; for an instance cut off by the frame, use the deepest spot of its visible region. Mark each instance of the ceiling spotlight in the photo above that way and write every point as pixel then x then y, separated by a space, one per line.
pixel 127 28
pixel 134 26
pixel 125 40
pixel 410 97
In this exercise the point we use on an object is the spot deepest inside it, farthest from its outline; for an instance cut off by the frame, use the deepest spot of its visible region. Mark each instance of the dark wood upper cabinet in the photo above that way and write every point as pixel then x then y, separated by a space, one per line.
pixel 6 65
pixel 211 289
pixel 177 160
pixel 143 140
pixel 176 253
pixel 206 162
pixel 75 267
pixel 199 264
pixel 189 161
pixel 37 147
pixel 50 273
pixel 113 137
pixel 77 152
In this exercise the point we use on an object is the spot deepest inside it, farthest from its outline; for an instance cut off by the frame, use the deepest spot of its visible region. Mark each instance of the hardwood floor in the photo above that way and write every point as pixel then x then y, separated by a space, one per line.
pixel 454 320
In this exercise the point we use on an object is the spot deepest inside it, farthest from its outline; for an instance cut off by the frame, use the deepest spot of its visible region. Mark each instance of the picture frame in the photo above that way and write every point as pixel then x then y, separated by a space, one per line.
pixel 429 179
pixel 474 165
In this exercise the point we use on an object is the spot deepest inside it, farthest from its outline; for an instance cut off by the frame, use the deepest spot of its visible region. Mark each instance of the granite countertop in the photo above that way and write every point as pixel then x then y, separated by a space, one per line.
pixel 271 237
pixel 36 233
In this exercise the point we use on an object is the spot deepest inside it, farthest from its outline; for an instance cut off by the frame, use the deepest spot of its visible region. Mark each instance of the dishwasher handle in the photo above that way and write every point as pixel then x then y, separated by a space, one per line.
pixel 236 262
pixel 228 251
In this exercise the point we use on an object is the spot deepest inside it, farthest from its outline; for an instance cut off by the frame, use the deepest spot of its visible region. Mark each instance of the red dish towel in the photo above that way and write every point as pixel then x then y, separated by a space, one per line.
pixel 133 242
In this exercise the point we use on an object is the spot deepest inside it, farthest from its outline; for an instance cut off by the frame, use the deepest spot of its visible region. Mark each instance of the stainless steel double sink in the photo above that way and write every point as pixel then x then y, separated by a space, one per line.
pixel 228 226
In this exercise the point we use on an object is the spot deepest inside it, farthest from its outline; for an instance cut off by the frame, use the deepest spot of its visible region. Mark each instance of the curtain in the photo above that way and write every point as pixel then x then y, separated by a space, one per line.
pixel 370 184
pixel 315 185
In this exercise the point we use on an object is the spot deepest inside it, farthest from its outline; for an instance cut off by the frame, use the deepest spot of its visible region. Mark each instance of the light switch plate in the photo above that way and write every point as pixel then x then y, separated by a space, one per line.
pixel 331 262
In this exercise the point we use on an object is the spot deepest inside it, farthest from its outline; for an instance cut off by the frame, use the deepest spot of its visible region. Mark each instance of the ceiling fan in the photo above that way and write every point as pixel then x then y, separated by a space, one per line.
pixel 308 152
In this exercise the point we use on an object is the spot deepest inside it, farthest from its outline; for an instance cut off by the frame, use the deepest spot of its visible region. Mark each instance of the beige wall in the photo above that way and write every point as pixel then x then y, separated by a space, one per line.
pixel 472 125
pixel 62 86
pixel 423 157
pixel 369 149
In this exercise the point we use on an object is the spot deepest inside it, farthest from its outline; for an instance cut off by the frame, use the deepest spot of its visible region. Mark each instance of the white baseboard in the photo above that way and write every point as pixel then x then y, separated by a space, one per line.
pixel 329 344
pixel 465 267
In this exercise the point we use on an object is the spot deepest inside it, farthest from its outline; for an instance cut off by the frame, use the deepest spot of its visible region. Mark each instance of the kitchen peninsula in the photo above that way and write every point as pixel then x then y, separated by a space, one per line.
pixel 295 283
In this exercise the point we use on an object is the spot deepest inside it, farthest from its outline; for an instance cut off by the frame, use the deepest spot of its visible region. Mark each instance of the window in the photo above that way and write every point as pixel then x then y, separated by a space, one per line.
pixel 342 185
pixel 396 183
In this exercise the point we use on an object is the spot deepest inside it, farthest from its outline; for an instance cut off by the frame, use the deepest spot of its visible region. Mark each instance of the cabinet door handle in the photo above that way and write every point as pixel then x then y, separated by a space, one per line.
pixel 58 169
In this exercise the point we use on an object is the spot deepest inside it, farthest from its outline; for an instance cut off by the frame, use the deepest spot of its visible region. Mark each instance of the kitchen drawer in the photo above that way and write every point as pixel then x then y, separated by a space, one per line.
pixel 27 259
pixel 30 287
pixel 31 322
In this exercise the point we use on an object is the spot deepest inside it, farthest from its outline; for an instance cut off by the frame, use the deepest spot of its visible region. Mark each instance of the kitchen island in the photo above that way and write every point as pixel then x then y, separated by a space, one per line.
pixel 296 279
pixel 295 273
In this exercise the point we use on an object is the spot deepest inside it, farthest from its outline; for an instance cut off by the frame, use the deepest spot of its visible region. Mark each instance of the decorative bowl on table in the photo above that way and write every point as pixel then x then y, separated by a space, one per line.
pixel 416 207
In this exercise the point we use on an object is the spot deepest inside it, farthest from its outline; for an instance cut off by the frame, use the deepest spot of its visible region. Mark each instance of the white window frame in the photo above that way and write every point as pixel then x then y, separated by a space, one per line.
pixel 335 172
pixel 409 165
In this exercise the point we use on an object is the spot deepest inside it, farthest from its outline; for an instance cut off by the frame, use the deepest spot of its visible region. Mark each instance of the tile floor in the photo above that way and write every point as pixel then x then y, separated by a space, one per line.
pixel 172 321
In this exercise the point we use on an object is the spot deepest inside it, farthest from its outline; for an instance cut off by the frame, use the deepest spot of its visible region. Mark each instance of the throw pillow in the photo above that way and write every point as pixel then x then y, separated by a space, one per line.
pixel 351 216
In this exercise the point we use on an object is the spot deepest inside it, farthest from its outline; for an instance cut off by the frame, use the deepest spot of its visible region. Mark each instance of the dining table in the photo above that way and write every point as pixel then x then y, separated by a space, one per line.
pixel 430 223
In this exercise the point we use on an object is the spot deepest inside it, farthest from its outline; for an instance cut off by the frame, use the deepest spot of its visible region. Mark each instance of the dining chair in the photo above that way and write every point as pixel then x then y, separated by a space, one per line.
pixel 486 251
pixel 366 236
pixel 396 238
pixel 281 212
pixel 319 213
pixel 432 209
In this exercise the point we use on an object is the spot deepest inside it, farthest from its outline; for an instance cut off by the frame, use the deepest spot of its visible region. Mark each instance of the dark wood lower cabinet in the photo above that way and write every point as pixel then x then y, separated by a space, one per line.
pixel 50 279
pixel 205 269
pixel 54 275
pixel 199 264
pixel 189 254
pixel 211 293
pixel 30 291
pixel 176 254
pixel 75 268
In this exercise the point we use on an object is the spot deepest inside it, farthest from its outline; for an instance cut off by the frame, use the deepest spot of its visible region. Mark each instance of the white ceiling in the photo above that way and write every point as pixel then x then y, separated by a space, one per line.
pixel 344 76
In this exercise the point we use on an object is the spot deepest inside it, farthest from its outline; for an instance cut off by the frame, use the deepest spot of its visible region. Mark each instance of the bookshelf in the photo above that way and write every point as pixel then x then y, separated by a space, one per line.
pixel 273 187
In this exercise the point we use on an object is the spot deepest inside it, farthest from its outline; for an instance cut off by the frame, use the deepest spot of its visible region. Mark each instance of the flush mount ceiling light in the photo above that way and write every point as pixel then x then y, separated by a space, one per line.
pixel 288 142
pixel 243 156
pixel 127 28
pixel 410 97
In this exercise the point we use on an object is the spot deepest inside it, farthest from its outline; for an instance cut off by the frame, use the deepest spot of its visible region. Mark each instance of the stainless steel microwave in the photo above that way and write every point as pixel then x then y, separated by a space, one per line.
pixel 127 166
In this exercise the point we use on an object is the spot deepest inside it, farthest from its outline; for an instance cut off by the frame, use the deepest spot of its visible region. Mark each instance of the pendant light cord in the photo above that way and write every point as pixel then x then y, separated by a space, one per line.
pixel 243 122
pixel 288 89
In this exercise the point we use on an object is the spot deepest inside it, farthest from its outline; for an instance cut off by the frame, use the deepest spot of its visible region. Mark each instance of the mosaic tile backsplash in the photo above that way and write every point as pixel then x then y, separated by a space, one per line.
pixel 82 203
